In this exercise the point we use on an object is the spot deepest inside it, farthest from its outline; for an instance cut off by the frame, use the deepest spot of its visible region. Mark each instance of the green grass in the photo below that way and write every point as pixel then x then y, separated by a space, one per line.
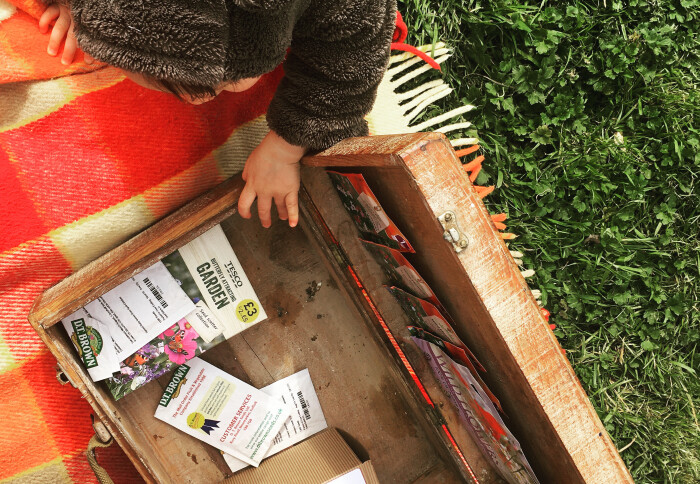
pixel 588 114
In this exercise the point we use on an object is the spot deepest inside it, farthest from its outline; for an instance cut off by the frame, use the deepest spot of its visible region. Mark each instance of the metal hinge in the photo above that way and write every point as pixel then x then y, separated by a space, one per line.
pixel 452 234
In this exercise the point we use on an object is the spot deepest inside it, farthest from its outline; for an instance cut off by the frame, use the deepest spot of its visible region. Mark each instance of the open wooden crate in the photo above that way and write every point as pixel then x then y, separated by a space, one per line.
pixel 329 312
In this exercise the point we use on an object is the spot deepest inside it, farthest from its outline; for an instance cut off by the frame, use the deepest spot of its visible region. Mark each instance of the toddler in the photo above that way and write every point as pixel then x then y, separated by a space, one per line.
pixel 334 52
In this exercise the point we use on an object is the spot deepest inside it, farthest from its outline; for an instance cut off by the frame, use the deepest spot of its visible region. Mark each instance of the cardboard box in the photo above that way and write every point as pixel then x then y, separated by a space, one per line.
pixel 320 459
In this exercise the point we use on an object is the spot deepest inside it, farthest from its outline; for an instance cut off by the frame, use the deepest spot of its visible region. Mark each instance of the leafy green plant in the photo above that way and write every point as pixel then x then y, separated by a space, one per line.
pixel 588 116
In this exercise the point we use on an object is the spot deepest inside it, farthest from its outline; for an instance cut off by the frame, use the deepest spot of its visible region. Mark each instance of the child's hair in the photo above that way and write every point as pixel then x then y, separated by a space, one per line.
pixel 180 89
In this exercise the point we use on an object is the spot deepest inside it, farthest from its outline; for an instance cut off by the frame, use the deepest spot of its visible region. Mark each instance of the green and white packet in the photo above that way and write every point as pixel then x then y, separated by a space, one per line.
pixel 221 410
pixel 94 344
pixel 298 393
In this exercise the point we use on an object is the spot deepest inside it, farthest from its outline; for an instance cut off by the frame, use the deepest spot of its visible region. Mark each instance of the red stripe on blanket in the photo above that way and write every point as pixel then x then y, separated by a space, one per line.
pixel 18 217
pixel 66 171
pixel 110 145
pixel 63 409
pixel 24 273
pixel 154 136
pixel 26 440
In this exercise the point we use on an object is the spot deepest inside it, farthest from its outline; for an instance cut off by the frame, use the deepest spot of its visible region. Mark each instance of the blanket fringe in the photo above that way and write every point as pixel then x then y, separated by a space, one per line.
pixel 414 102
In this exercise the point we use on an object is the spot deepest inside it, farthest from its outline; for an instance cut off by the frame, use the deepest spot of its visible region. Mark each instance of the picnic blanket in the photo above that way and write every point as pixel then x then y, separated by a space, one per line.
pixel 87 160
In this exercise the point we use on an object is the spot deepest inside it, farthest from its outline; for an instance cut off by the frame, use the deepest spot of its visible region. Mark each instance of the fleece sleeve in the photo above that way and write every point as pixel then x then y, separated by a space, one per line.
pixel 338 56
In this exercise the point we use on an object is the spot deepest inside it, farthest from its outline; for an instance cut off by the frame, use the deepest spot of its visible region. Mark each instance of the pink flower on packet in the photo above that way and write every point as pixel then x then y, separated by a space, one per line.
pixel 180 344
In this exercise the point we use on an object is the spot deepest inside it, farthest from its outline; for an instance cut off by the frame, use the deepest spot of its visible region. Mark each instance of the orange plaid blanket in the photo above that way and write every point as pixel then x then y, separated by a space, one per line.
pixel 87 159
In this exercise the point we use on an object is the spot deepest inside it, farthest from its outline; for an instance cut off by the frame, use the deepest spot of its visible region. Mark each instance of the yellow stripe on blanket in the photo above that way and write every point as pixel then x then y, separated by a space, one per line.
pixel 88 238
pixel 25 102
pixel 53 471
pixel 7 361
pixel 233 153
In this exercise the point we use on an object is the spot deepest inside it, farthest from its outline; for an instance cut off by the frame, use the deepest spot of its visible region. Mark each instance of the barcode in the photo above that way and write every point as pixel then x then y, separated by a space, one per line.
pixel 304 406
pixel 155 292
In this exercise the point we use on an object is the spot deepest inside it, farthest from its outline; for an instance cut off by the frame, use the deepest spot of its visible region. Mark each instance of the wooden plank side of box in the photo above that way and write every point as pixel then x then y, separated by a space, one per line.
pixel 495 310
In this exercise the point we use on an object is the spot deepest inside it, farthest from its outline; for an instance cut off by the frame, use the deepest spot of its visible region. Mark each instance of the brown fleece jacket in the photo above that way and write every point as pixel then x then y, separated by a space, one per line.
pixel 338 51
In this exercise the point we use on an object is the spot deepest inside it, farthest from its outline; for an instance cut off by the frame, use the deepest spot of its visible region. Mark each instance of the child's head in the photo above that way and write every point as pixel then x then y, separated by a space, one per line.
pixel 175 46
pixel 191 93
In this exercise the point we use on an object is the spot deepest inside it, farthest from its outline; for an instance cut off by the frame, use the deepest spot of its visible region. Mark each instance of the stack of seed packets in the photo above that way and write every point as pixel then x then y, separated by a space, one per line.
pixel 244 423
pixel 366 211
pixel 454 365
pixel 193 299
pixel 478 415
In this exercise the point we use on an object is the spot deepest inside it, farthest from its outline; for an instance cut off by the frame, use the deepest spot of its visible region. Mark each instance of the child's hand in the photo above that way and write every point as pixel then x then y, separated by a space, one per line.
pixel 62 29
pixel 272 172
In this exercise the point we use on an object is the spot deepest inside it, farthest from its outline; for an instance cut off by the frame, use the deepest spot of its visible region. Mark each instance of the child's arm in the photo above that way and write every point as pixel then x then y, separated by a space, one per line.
pixel 337 59
pixel 62 29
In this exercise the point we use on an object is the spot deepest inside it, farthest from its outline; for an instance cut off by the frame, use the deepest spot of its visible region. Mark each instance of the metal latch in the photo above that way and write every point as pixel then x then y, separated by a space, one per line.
pixel 452 234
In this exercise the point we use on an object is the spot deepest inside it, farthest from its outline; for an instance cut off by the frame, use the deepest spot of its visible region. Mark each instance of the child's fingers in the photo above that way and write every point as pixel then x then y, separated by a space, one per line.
pixel 58 33
pixel 281 208
pixel 70 47
pixel 292 202
pixel 264 208
pixel 88 58
pixel 47 17
pixel 246 200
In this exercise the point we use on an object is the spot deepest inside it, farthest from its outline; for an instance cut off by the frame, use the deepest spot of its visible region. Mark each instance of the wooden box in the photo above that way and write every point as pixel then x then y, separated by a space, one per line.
pixel 329 312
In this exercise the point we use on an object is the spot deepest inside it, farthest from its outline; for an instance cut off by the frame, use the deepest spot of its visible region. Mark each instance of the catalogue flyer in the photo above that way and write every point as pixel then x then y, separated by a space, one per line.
pixel 169 313
pixel 221 410
pixel 367 212
pixel 298 393
pixel 222 282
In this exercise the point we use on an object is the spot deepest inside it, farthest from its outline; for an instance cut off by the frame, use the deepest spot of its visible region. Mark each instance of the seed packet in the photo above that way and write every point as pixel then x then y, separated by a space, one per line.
pixel 401 273
pixel 175 346
pixel 478 416
pixel 458 355
pixel 132 314
pixel 298 393
pixel 200 291
pixel 211 263
pixel 93 342
pixel 425 315
pixel 366 211
pixel 221 410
